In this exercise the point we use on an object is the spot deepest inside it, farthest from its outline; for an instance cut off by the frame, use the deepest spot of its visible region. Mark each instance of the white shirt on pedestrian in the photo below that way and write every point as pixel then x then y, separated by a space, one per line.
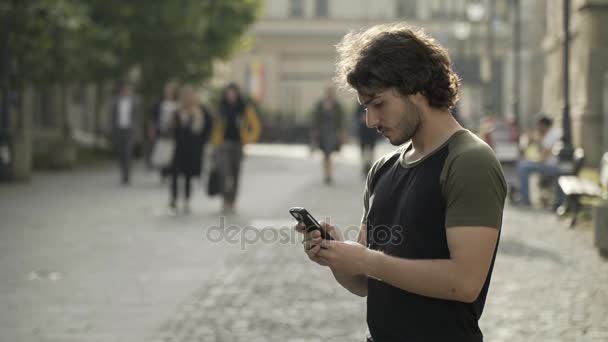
pixel 551 138
pixel 125 106
pixel 167 109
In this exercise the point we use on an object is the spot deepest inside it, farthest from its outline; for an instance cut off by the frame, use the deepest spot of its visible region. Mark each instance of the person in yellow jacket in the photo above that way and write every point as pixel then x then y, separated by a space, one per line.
pixel 237 124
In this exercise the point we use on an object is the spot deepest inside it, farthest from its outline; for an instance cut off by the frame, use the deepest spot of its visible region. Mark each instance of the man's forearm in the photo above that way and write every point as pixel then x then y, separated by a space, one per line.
pixel 439 278
pixel 355 284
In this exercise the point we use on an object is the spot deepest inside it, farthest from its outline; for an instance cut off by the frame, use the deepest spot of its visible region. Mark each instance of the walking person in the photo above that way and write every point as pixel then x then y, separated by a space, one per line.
pixel 432 208
pixel 125 125
pixel 191 130
pixel 367 140
pixel 162 121
pixel 237 124
pixel 328 130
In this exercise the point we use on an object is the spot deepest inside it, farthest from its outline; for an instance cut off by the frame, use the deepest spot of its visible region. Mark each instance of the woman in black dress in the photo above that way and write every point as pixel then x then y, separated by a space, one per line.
pixel 191 131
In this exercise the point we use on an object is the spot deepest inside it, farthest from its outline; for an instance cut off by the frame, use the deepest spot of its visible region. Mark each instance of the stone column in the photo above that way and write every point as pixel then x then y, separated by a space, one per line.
pixel 589 65
pixel 533 30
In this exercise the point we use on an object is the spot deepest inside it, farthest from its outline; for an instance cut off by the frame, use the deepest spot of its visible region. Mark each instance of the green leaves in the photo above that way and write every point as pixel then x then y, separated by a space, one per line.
pixel 91 40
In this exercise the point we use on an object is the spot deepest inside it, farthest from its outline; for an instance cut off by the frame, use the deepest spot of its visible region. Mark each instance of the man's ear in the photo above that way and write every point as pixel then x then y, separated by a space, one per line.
pixel 419 100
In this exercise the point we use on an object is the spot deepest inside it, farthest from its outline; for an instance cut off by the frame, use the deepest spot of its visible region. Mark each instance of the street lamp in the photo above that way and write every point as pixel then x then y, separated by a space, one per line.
pixel 488 62
pixel 516 61
pixel 567 150
pixel 462 30
pixel 475 12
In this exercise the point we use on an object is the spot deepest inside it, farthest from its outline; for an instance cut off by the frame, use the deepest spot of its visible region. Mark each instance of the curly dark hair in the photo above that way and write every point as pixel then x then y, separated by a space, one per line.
pixel 397 55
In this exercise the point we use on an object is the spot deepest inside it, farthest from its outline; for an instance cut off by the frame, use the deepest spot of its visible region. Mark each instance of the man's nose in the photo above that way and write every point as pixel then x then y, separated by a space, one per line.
pixel 371 119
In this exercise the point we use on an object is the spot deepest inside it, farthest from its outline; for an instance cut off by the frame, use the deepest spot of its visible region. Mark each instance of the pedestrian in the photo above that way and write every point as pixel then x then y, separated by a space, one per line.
pixel 327 130
pixel 367 139
pixel 237 124
pixel 547 136
pixel 126 125
pixel 432 208
pixel 191 129
pixel 162 121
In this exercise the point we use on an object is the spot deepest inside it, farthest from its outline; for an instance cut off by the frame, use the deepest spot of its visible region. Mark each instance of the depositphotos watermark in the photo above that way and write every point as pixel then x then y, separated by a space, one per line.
pixel 286 234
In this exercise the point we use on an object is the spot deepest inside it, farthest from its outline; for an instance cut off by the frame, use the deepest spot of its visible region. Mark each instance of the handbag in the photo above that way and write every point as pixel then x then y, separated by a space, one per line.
pixel 162 152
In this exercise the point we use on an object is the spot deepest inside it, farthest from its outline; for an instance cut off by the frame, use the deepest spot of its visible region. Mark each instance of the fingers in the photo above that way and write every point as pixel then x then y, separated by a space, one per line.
pixel 300 227
pixel 322 256
pixel 331 230
pixel 312 252
pixel 311 239
pixel 315 253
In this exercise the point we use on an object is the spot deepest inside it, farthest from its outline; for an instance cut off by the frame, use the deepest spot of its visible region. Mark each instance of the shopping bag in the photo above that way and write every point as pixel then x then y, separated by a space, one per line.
pixel 162 152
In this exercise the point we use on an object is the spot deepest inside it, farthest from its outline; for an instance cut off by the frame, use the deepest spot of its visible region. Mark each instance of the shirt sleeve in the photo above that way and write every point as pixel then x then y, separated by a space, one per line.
pixel 474 190
pixel 551 138
pixel 365 205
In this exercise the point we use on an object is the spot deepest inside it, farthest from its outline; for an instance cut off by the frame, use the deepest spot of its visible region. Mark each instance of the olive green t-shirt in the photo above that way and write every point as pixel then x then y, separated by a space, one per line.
pixel 408 207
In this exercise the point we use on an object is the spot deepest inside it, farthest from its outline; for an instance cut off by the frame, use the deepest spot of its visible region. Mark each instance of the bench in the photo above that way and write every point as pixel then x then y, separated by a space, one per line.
pixel 548 184
pixel 575 188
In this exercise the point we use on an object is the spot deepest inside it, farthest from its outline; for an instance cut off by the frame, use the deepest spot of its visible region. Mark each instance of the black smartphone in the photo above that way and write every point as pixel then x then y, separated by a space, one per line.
pixel 303 216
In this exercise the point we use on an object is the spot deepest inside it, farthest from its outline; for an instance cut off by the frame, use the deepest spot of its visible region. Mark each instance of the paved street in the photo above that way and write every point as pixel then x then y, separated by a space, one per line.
pixel 83 259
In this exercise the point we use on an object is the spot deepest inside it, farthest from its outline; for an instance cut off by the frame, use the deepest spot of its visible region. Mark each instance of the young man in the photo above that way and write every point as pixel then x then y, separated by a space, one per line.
pixel 125 125
pixel 432 209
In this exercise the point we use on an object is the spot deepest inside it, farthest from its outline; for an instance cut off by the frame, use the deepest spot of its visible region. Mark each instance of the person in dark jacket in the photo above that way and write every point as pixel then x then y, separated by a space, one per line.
pixel 191 130
pixel 238 124
pixel 125 124
pixel 327 129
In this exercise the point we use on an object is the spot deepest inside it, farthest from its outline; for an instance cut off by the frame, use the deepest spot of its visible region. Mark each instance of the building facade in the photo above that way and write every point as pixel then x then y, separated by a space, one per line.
pixel 527 88
pixel 291 59
pixel 588 73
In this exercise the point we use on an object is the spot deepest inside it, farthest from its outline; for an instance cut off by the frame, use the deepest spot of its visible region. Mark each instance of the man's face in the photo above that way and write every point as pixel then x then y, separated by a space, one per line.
pixel 231 95
pixel 188 97
pixel 393 115
pixel 543 128
pixel 126 90
pixel 170 89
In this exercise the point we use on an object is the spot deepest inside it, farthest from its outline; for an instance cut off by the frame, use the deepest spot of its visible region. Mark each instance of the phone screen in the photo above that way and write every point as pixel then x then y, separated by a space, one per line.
pixel 302 215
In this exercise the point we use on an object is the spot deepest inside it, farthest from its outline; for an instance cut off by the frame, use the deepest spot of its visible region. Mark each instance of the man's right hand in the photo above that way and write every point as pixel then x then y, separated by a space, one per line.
pixel 312 240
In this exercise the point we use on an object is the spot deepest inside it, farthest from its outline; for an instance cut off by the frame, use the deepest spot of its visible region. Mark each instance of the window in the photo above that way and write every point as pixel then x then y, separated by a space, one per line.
pixel 296 8
pixel 406 8
pixel 322 8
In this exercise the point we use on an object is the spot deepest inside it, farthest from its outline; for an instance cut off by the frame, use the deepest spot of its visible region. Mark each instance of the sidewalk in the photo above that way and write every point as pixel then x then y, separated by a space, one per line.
pixel 86 260
pixel 548 285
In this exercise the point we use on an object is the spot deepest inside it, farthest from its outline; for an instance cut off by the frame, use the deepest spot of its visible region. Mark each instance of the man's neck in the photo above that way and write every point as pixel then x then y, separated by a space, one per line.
pixel 436 128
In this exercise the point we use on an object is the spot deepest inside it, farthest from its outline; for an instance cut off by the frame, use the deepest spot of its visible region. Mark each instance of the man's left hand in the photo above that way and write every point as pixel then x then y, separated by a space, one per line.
pixel 348 257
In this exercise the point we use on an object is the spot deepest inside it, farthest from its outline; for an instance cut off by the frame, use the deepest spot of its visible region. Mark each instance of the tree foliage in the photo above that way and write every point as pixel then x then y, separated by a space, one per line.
pixel 95 40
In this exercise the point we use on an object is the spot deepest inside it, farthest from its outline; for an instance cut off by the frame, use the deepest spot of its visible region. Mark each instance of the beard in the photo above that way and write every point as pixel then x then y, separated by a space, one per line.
pixel 409 124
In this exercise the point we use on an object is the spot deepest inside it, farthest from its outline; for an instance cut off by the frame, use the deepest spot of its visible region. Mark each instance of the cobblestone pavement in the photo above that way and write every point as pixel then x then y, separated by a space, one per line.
pixel 155 278
pixel 549 284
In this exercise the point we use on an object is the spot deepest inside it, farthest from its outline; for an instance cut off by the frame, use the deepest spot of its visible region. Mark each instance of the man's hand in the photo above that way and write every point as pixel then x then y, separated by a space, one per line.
pixel 347 258
pixel 312 240
pixel 344 258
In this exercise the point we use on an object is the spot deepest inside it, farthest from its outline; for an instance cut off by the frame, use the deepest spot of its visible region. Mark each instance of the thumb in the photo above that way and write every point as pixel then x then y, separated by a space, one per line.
pixel 331 230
